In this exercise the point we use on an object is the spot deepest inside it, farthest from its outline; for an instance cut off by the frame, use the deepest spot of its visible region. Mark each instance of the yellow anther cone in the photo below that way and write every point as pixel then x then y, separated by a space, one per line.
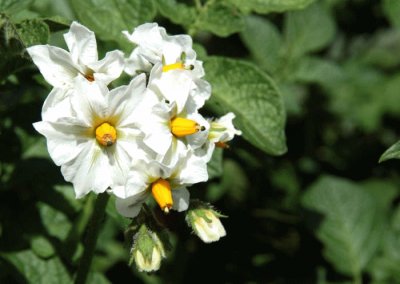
pixel 169 67
pixel 162 193
pixel 181 127
pixel 106 134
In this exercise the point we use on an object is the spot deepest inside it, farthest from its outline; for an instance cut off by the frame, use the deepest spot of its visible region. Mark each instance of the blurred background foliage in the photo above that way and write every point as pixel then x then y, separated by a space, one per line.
pixel 324 212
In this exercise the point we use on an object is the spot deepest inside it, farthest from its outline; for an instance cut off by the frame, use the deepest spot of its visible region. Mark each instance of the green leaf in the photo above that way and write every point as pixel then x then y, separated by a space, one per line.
pixel 351 229
pixel 178 13
pixel 37 270
pixel 316 70
pixel 42 247
pixel 392 153
pixel 264 42
pixel 97 278
pixel 220 18
pixel 243 89
pixel 308 30
pixel 13 6
pixel 57 23
pixel 109 18
pixel 267 6
pixel 381 50
pixel 56 223
pixel 391 8
pixel 214 167
pixel 32 32
pixel 386 267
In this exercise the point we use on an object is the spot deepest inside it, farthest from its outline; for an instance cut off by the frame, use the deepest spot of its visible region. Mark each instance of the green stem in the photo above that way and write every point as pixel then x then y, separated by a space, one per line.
pixel 91 238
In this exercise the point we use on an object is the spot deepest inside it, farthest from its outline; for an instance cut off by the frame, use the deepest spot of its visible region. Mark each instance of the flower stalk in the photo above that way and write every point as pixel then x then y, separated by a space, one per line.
pixel 90 241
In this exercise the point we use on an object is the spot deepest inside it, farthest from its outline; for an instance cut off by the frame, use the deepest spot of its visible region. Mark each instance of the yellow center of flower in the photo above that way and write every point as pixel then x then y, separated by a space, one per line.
pixel 174 66
pixel 181 127
pixel 106 134
pixel 177 66
pixel 161 190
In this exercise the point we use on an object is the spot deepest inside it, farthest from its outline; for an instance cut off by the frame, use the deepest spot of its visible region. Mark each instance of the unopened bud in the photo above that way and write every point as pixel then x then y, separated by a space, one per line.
pixel 148 250
pixel 205 222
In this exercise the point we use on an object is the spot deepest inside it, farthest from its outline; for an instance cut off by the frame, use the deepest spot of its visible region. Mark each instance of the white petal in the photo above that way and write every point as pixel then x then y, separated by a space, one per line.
pixel 89 100
pixel 109 68
pixel 55 64
pixel 89 171
pixel 193 170
pixel 181 199
pixel 123 101
pixel 64 141
pixel 198 139
pixel 57 105
pixel 130 207
pixel 149 39
pixel 136 184
pixel 137 63
pixel 82 44
pixel 173 85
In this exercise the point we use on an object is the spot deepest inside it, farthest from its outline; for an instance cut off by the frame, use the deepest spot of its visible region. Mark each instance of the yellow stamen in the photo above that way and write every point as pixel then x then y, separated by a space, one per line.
pixel 106 134
pixel 161 191
pixel 181 127
pixel 169 67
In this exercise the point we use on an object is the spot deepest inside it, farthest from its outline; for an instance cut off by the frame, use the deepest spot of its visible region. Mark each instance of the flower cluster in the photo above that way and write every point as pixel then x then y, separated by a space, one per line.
pixel 137 140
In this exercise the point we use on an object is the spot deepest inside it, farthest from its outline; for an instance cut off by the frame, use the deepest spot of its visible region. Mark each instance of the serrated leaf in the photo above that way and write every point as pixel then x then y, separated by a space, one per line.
pixel 392 153
pixel 221 19
pixel 391 8
pixel 109 18
pixel 351 227
pixel 263 40
pixel 267 6
pixel 178 13
pixel 252 95
pixel 308 30
pixel 32 32
pixel 37 270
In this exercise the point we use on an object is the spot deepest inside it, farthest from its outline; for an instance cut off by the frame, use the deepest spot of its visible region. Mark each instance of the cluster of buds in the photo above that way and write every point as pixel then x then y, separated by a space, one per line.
pixel 146 138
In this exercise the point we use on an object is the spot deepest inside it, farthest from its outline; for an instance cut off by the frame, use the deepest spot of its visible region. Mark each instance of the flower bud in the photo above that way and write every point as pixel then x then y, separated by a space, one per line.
pixel 205 222
pixel 148 250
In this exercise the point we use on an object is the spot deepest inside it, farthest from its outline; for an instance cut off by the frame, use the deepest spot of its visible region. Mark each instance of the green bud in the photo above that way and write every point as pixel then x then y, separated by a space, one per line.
pixel 205 222
pixel 148 250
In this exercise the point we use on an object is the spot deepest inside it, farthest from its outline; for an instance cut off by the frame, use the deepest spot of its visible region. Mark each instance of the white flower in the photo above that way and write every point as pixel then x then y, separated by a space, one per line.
pixel 179 86
pixel 167 184
pixel 171 62
pixel 206 224
pixel 170 133
pixel 148 250
pixel 155 46
pixel 60 68
pixel 96 139
pixel 219 132
pixel 222 129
